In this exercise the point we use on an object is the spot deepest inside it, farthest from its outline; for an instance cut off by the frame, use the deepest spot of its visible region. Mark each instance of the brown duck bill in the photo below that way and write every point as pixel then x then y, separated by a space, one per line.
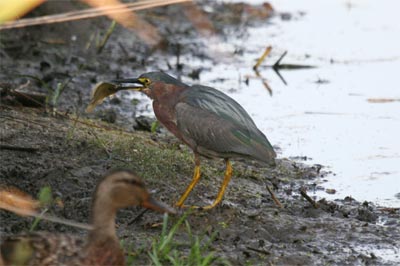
pixel 153 204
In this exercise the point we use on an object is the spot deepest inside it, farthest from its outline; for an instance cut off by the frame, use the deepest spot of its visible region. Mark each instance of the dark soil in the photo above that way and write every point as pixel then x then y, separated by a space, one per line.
pixel 71 150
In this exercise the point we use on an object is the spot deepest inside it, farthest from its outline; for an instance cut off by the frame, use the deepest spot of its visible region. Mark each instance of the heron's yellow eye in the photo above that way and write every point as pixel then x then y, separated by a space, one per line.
pixel 145 81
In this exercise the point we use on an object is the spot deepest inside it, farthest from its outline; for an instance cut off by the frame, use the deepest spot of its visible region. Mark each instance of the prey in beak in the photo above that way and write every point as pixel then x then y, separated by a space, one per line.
pixel 103 90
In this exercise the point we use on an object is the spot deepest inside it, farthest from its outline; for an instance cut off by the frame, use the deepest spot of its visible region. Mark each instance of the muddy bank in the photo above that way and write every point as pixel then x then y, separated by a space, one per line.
pixel 249 229
pixel 71 150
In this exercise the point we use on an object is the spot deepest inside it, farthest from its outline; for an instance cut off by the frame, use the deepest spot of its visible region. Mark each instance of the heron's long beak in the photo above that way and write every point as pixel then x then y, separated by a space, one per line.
pixel 128 84
pixel 156 205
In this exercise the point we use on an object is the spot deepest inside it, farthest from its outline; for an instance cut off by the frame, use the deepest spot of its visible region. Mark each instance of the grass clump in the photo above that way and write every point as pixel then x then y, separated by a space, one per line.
pixel 168 251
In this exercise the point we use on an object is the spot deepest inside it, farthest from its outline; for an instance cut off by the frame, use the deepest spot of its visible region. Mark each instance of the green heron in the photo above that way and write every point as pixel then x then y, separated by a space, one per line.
pixel 118 189
pixel 210 122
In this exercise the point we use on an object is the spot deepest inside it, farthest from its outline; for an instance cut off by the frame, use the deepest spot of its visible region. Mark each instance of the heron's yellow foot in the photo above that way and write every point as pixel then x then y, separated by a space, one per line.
pixel 227 178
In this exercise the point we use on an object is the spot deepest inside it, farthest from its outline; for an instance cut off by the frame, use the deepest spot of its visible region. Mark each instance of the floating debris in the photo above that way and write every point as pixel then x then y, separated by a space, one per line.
pixel 382 100
pixel 330 191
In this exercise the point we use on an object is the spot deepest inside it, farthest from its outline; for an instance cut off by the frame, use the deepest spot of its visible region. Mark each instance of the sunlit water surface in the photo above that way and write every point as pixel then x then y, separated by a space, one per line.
pixel 323 113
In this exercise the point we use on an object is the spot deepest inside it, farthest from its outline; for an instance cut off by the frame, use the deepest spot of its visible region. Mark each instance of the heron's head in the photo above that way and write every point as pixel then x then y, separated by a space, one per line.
pixel 151 83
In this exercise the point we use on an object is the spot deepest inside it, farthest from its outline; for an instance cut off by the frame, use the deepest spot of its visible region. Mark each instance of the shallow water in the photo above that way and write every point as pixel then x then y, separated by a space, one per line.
pixel 324 113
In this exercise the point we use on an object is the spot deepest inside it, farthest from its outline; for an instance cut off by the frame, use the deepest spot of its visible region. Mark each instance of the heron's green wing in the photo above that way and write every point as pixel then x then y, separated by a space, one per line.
pixel 215 101
pixel 215 136
pixel 230 112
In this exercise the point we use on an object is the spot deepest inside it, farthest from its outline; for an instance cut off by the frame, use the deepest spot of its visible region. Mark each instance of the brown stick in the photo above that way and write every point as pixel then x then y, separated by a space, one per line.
pixel 303 193
pixel 274 198
pixel 262 58
pixel 137 217
pixel 17 148
pixel 264 81
pixel 50 218
pixel 259 250
pixel 28 99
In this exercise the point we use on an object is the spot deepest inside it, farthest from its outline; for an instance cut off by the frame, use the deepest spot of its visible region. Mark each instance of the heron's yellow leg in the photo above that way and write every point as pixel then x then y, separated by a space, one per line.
pixel 227 178
pixel 195 179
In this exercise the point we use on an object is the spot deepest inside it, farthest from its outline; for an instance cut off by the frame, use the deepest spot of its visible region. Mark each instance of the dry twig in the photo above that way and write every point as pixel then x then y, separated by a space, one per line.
pixel 274 198
pixel 17 148
pixel 303 193
pixel 262 58
pixel 18 202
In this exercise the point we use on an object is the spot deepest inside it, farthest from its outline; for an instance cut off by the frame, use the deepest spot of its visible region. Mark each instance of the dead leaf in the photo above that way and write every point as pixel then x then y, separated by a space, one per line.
pixel 14 200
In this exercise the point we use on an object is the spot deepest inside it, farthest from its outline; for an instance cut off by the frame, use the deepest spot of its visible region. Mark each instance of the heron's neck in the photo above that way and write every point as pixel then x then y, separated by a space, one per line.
pixel 166 94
